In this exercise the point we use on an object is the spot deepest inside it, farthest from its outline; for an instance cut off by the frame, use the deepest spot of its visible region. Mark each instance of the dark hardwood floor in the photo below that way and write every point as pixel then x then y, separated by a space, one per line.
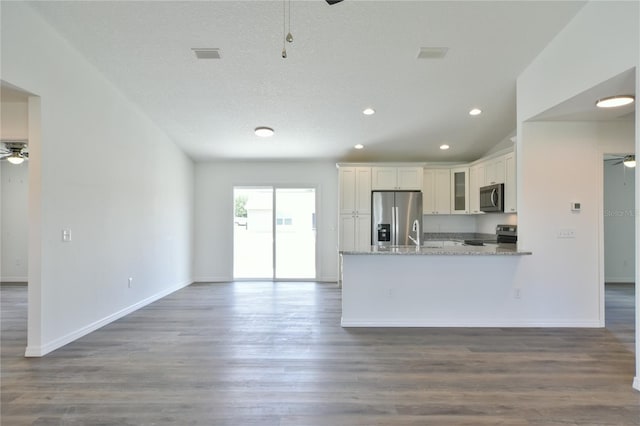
pixel 275 354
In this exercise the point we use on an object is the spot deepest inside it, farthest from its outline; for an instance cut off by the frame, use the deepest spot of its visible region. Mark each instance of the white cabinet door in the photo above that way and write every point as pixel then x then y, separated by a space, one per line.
pixel 347 188
pixel 347 232
pixel 495 171
pixel 476 180
pixel 355 232
pixel 363 231
pixel 355 190
pixel 460 190
pixel 363 190
pixel 443 191
pixel 436 191
pixel 383 178
pixel 510 187
pixel 396 178
pixel 409 178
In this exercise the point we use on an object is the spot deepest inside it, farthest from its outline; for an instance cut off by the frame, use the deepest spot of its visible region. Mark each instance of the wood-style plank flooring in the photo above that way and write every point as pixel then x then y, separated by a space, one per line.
pixel 275 354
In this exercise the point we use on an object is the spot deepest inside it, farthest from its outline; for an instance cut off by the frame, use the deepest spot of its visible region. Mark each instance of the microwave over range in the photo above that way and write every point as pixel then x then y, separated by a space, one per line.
pixel 492 198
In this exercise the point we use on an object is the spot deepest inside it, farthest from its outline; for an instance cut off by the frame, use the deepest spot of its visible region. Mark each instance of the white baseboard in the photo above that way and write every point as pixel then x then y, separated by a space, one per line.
pixel 38 351
pixel 471 324
pixel 14 279
pixel 636 383
pixel 212 279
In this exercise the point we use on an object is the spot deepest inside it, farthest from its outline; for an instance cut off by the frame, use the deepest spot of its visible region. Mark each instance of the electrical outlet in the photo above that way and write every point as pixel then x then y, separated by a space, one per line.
pixel 567 233
pixel 130 282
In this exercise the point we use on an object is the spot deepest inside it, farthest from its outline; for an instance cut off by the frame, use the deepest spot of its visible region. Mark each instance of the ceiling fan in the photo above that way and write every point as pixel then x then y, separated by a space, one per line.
pixel 14 151
pixel 628 160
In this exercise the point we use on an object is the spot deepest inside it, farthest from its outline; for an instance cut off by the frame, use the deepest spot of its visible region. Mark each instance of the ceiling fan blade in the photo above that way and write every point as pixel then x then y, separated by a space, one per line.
pixel 3 156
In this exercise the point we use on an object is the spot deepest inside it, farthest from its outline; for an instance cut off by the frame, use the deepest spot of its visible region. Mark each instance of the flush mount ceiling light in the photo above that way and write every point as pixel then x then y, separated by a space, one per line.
pixel 629 161
pixel 444 147
pixel 475 111
pixel 264 132
pixel 359 146
pixel 615 101
pixel 368 111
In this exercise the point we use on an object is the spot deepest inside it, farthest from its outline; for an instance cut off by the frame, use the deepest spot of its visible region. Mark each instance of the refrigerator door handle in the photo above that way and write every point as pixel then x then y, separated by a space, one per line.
pixel 396 229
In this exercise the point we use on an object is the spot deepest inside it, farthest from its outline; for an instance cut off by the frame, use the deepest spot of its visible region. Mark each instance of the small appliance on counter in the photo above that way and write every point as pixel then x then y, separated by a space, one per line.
pixel 507 235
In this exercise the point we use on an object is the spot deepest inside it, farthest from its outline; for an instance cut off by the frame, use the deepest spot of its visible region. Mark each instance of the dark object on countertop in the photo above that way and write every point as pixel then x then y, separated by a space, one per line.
pixel 474 242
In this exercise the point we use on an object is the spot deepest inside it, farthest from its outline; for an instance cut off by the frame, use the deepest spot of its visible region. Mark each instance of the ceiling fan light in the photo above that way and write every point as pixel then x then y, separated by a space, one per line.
pixel 15 159
pixel 615 101
pixel 629 161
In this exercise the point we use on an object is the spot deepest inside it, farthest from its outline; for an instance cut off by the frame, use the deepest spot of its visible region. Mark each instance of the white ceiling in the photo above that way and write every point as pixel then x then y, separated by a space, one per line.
pixel 344 58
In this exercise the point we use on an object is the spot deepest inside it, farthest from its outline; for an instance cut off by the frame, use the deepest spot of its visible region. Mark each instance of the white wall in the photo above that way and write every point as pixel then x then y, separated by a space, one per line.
pixel 104 170
pixel 487 223
pixel 619 226
pixel 562 162
pixel 214 182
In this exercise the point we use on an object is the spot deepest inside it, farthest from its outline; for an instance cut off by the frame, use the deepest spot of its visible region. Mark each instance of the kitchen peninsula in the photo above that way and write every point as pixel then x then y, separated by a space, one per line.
pixel 448 286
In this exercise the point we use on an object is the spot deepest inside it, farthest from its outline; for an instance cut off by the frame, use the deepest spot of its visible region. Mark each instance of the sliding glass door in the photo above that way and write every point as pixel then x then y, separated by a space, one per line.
pixel 274 233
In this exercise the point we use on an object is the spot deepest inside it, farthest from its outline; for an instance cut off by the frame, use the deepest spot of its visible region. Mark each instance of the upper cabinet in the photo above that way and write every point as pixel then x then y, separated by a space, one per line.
pixel 510 202
pixel 494 171
pixel 355 190
pixel 460 190
pixel 436 191
pixel 476 180
pixel 396 178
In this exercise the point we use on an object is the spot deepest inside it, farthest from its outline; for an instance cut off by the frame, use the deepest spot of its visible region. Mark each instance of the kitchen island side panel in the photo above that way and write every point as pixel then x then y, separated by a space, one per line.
pixel 438 291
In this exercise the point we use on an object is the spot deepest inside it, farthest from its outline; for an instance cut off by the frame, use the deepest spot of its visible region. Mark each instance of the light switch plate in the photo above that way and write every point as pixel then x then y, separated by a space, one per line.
pixel 567 233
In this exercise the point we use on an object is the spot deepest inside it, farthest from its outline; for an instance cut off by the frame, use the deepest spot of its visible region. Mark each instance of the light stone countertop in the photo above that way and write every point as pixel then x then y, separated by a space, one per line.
pixel 463 250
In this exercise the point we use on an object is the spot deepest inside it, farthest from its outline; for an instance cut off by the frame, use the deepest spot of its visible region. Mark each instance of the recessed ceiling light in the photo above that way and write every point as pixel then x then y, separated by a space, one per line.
pixel 264 132
pixel 359 146
pixel 444 147
pixel 614 101
pixel 368 111
pixel 475 111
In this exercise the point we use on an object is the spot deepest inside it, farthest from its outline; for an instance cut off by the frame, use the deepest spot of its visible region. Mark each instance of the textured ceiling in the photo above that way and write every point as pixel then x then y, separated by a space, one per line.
pixel 344 58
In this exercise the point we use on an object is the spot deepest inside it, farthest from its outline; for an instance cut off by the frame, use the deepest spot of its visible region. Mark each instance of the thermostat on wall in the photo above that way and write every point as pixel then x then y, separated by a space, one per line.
pixel 576 207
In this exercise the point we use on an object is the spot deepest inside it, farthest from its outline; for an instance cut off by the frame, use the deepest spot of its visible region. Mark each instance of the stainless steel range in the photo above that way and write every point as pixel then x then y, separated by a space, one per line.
pixel 507 235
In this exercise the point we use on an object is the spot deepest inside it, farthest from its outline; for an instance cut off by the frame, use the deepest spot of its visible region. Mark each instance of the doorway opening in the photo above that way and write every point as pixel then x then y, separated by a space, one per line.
pixel 619 248
pixel 274 233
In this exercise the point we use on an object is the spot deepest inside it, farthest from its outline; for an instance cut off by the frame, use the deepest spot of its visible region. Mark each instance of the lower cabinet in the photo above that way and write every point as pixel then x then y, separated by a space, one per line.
pixel 355 232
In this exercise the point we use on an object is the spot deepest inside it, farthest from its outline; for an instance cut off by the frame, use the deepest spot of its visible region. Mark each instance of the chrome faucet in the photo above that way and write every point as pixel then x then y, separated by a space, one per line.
pixel 416 229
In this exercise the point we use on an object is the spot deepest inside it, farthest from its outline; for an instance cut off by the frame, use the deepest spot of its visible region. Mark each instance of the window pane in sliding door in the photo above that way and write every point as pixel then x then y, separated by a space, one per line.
pixel 253 233
pixel 295 233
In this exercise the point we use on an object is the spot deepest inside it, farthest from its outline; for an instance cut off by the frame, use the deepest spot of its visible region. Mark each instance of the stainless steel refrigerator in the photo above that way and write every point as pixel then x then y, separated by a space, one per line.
pixel 393 214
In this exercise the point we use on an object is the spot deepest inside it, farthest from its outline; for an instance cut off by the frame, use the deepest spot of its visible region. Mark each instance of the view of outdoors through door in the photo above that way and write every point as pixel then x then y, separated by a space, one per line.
pixel 258 233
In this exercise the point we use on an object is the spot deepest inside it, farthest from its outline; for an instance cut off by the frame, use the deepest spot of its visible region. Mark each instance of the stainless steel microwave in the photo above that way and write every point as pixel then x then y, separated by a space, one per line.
pixel 492 198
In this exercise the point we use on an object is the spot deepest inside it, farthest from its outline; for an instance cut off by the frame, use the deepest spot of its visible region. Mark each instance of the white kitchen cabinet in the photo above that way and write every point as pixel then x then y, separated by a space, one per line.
pixel 355 207
pixel 436 191
pixel 355 232
pixel 476 180
pixel 510 187
pixel 460 190
pixel 494 171
pixel 355 190
pixel 396 178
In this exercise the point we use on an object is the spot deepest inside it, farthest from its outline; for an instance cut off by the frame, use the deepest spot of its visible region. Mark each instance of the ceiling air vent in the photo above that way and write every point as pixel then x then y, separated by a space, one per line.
pixel 206 53
pixel 432 52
